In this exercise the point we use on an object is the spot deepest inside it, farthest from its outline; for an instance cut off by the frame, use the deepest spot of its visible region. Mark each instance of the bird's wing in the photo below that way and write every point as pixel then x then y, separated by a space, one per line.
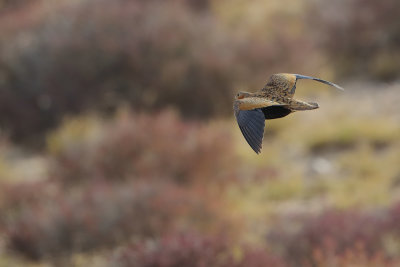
pixel 281 85
pixel 250 103
pixel 276 112
pixel 251 124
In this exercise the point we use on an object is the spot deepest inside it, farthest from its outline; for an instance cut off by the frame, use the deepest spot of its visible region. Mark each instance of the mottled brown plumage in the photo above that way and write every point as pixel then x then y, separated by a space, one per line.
pixel 274 100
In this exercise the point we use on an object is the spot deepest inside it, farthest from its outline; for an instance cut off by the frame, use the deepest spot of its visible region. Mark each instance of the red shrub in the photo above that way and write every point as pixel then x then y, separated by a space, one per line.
pixel 149 54
pixel 360 37
pixel 356 256
pixel 394 219
pixel 159 146
pixel 58 222
pixel 330 233
pixel 193 250
pixel 141 176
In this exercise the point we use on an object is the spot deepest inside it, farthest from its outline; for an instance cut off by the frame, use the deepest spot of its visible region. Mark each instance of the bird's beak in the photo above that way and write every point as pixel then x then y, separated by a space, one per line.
pixel 298 76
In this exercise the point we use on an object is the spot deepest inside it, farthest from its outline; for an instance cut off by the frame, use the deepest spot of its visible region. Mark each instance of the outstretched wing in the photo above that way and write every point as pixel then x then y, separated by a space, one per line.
pixel 251 124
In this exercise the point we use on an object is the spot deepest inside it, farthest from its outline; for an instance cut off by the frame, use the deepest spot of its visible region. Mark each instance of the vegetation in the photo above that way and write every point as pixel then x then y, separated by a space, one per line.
pixel 118 147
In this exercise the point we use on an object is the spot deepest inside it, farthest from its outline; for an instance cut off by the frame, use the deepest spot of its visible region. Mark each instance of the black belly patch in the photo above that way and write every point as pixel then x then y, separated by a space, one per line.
pixel 275 112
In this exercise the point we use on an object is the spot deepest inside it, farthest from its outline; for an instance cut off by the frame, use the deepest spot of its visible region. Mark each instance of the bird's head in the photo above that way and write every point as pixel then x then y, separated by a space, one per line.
pixel 241 95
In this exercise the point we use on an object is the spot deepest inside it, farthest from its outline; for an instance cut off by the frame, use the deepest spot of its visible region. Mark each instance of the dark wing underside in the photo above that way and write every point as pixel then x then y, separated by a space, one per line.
pixel 251 124
pixel 275 112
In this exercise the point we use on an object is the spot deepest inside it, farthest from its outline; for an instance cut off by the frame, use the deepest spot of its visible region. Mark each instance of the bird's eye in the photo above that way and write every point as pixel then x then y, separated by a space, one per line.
pixel 239 96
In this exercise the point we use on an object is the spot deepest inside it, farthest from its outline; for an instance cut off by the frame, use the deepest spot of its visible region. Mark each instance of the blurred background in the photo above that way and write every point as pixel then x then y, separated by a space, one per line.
pixel 118 145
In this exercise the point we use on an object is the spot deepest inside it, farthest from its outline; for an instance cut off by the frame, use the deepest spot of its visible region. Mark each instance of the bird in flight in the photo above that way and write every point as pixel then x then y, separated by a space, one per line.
pixel 273 101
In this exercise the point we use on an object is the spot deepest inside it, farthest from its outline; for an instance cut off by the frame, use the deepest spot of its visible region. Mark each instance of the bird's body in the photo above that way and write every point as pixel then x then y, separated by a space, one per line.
pixel 275 100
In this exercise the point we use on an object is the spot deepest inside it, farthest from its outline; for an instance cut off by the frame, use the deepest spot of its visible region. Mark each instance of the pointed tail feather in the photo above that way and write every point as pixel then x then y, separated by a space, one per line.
pixel 301 105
